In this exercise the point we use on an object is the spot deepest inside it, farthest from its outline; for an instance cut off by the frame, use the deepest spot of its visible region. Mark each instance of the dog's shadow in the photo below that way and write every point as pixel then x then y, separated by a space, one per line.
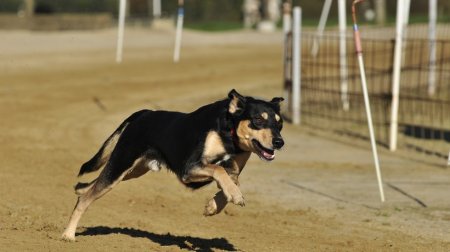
pixel 183 242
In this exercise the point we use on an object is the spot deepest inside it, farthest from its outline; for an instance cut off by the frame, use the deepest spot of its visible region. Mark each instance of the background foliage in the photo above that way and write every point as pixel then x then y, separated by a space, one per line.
pixel 202 11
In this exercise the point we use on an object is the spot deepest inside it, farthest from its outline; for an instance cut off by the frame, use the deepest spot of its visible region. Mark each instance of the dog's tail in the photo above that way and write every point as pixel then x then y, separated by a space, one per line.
pixel 100 158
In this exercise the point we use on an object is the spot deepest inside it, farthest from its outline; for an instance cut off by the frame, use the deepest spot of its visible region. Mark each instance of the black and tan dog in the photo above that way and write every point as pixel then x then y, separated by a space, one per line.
pixel 212 143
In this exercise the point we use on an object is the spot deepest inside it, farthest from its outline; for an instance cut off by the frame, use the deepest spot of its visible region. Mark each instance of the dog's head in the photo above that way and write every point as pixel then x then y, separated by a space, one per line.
pixel 258 124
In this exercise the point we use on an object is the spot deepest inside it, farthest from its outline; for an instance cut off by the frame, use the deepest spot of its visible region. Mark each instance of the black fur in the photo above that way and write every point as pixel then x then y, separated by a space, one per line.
pixel 175 139
pixel 212 143
pixel 96 162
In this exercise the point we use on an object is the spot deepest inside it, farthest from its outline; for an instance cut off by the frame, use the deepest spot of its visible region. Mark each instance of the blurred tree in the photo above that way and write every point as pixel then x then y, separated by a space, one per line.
pixel 202 11
pixel 10 5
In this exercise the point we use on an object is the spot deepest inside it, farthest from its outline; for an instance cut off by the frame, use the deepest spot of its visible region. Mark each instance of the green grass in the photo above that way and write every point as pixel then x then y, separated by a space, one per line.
pixel 216 26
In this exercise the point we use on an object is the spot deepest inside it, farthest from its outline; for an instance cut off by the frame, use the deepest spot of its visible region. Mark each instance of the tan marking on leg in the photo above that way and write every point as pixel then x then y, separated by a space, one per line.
pixel 216 204
pixel 138 169
pixel 96 191
pixel 199 174
pixel 85 189
pixel 229 188
pixel 110 145
pixel 219 174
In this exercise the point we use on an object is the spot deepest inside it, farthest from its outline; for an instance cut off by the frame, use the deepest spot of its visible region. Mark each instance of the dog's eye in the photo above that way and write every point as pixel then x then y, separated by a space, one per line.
pixel 258 120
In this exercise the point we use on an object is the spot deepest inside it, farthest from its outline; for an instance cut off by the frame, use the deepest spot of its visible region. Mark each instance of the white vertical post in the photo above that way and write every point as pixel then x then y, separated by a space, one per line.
pixel 380 11
pixel 396 76
pixel 29 8
pixel 370 124
pixel 432 40
pixel 287 53
pixel 176 53
pixel 343 54
pixel 359 52
pixel 156 8
pixel 121 28
pixel 287 22
pixel 296 72
pixel 406 10
pixel 321 27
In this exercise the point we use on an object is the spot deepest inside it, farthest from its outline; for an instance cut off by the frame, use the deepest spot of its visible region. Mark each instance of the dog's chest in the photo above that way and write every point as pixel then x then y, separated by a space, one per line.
pixel 214 151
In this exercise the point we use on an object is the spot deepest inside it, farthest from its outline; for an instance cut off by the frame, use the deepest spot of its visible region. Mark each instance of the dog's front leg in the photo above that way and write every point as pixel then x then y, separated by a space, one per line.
pixel 239 162
pixel 219 174
pixel 219 201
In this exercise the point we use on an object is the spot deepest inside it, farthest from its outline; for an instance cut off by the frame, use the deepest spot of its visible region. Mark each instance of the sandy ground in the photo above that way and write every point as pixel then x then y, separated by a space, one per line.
pixel 61 95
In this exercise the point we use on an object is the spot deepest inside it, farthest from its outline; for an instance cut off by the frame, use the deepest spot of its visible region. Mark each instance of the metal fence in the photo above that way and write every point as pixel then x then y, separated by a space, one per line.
pixel 424 119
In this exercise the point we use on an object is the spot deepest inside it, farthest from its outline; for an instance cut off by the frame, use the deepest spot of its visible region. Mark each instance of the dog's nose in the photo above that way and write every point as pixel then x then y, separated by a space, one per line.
pixel 277 142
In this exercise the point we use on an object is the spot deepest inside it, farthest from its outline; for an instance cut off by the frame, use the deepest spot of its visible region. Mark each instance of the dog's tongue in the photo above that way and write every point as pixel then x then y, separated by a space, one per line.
pixel 267 155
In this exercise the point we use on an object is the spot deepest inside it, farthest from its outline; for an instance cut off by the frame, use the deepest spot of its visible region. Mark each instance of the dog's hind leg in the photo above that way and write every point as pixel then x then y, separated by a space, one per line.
pixel 104 153
pixel 82 188
pixel 97 190
pixel 107 179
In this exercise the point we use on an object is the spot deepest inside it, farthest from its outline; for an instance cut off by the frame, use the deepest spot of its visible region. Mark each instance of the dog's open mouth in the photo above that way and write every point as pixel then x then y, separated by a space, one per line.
pixel 263 153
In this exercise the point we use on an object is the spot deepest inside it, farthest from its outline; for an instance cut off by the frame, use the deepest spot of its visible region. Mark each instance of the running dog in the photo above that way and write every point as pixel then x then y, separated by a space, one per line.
pixel 210 144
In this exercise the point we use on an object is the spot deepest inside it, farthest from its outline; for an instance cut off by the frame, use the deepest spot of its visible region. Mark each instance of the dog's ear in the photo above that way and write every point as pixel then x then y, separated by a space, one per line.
pixel 277 100
pixel 237 103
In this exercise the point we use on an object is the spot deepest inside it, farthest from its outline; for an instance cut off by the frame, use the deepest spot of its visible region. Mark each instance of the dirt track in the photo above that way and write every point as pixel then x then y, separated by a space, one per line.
pixel 61 95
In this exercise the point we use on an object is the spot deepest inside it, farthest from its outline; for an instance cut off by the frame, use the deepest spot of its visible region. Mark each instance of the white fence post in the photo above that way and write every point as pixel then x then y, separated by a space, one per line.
pixel 287 54
pixel 396 76
pixel 176 53
pixel 432 40
pixel 296 65
pixel 343 54
pixel 359 52
pixel 121 28
pixel 321 27
pixel 156 8
pixel 406 11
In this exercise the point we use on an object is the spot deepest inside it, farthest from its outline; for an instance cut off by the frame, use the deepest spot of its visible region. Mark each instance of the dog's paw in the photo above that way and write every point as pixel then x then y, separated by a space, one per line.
pixel 239 200
pixel 210 208
pixel 233 194
pixel 67 237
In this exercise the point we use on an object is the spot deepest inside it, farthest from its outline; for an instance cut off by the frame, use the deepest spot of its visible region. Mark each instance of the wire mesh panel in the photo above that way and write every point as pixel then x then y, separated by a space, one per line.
pixel 322 105
pixel 424 113
pixel 424 119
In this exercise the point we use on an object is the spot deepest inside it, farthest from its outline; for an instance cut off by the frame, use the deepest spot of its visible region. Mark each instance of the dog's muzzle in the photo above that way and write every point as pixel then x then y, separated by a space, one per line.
pixel 277 143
